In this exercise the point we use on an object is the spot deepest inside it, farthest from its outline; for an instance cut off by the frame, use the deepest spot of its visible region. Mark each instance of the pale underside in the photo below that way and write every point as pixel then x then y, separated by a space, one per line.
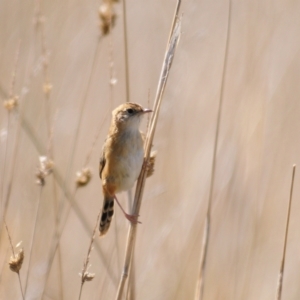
pixel 122 161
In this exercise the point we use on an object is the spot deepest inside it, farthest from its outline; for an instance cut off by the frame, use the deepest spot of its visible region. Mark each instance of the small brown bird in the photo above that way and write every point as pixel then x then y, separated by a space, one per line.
pixel 122 159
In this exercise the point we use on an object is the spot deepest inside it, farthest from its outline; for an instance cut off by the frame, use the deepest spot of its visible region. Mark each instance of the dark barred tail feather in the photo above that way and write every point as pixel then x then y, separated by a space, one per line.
pixel 107 214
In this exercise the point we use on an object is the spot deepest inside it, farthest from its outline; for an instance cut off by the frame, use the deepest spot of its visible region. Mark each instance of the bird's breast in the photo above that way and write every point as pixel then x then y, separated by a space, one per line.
pixel 124 160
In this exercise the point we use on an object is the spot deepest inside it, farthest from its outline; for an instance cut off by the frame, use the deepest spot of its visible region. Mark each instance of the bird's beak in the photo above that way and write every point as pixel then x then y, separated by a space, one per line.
pixel 147 110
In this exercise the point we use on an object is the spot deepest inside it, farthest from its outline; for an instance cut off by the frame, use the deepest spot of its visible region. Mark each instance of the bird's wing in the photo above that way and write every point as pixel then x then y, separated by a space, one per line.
pixel 102 161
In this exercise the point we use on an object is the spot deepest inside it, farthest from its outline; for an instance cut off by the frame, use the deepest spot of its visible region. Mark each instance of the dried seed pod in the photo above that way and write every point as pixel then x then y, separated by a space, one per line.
pixel 15 262
pixel 87 276
pixel 151 163
pixel 83 177
pixel 46 164
pixel 40 177
pixel 107 17
pixel 11 103
pixel 47 88
pixel 44 169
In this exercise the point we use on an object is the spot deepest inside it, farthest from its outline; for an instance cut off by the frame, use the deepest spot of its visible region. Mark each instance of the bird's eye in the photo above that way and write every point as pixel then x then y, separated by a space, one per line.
pixel 130 111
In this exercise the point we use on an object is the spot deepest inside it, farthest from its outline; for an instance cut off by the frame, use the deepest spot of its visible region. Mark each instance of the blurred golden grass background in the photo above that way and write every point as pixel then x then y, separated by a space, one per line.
pixel 258 144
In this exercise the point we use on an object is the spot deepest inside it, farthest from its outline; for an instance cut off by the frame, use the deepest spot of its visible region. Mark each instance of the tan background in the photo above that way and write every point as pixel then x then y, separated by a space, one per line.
pixel 258 144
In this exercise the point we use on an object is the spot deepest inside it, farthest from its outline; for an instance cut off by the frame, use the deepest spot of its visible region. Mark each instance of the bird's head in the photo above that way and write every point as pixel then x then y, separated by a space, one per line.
pixel 129 115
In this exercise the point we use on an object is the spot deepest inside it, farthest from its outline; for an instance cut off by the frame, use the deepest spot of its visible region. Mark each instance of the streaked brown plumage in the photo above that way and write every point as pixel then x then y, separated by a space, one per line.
pixel 122 158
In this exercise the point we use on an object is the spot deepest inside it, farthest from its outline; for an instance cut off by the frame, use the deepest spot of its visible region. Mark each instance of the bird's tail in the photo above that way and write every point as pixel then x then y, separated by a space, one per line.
pixel 107 214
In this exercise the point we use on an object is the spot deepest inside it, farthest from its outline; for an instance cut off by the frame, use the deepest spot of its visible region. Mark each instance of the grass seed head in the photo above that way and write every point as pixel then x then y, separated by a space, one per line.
pixel 11 103
pixel 151 163
pixel 87 276
pixel 107 17
pixel 83 177
pixel 15 262
pixel 45 168
pixel 47 88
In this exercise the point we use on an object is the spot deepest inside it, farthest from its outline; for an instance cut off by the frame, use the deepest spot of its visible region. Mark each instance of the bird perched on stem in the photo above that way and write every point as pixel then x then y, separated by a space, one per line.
pixel 122 159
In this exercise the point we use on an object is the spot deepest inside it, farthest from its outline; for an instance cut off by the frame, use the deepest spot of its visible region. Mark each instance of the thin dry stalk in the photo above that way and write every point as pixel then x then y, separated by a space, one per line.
pixel 83 176
pixel 78 126
pixel 33 236
pixel 45 168
pixel 50 152
pixel 61 203
pixel 39 23
pixel 80 182
pixel 67 193
pixel 130 293
pixel 18 111
pixel 206 235
pixel 88 156
pixel 168 59
pixel 102 290
pixel 281 272
pixel 112 79
pixel 112 82
pixel 47 88
pixel 126 51
pixel 17 260
pixel 10 104
pixel 12 172
pixel 14 74
pixel 58 233
pixel 85 170
pixel 85 275
pixel 3 203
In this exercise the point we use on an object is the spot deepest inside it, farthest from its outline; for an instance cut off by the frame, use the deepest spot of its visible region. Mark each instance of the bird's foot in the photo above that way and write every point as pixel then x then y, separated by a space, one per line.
pixel 132 218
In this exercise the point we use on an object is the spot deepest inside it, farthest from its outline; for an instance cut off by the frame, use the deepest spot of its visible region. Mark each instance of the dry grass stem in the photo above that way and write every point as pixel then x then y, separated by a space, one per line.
pixel 47 86
pixel 78 125
pixel 126 51
pixel 33 235
pixel 83 177
pixel 206 234
pixel 168 59
pixel 64 182
pixel 11 177
pixel 67 193
pixel 281 272
pixel 14 74
pixel 39 23
pixel 4 167
pixel 131 286
pixel 89 154
pixel 9 238
pixel 130 292
pixel 112 78
pixel 16 260
pixel 10 104
pixel 227 117
pixel 85 275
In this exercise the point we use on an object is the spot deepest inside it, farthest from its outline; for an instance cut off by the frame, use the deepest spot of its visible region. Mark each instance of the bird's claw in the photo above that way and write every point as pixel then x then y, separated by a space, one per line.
pixel 132 218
